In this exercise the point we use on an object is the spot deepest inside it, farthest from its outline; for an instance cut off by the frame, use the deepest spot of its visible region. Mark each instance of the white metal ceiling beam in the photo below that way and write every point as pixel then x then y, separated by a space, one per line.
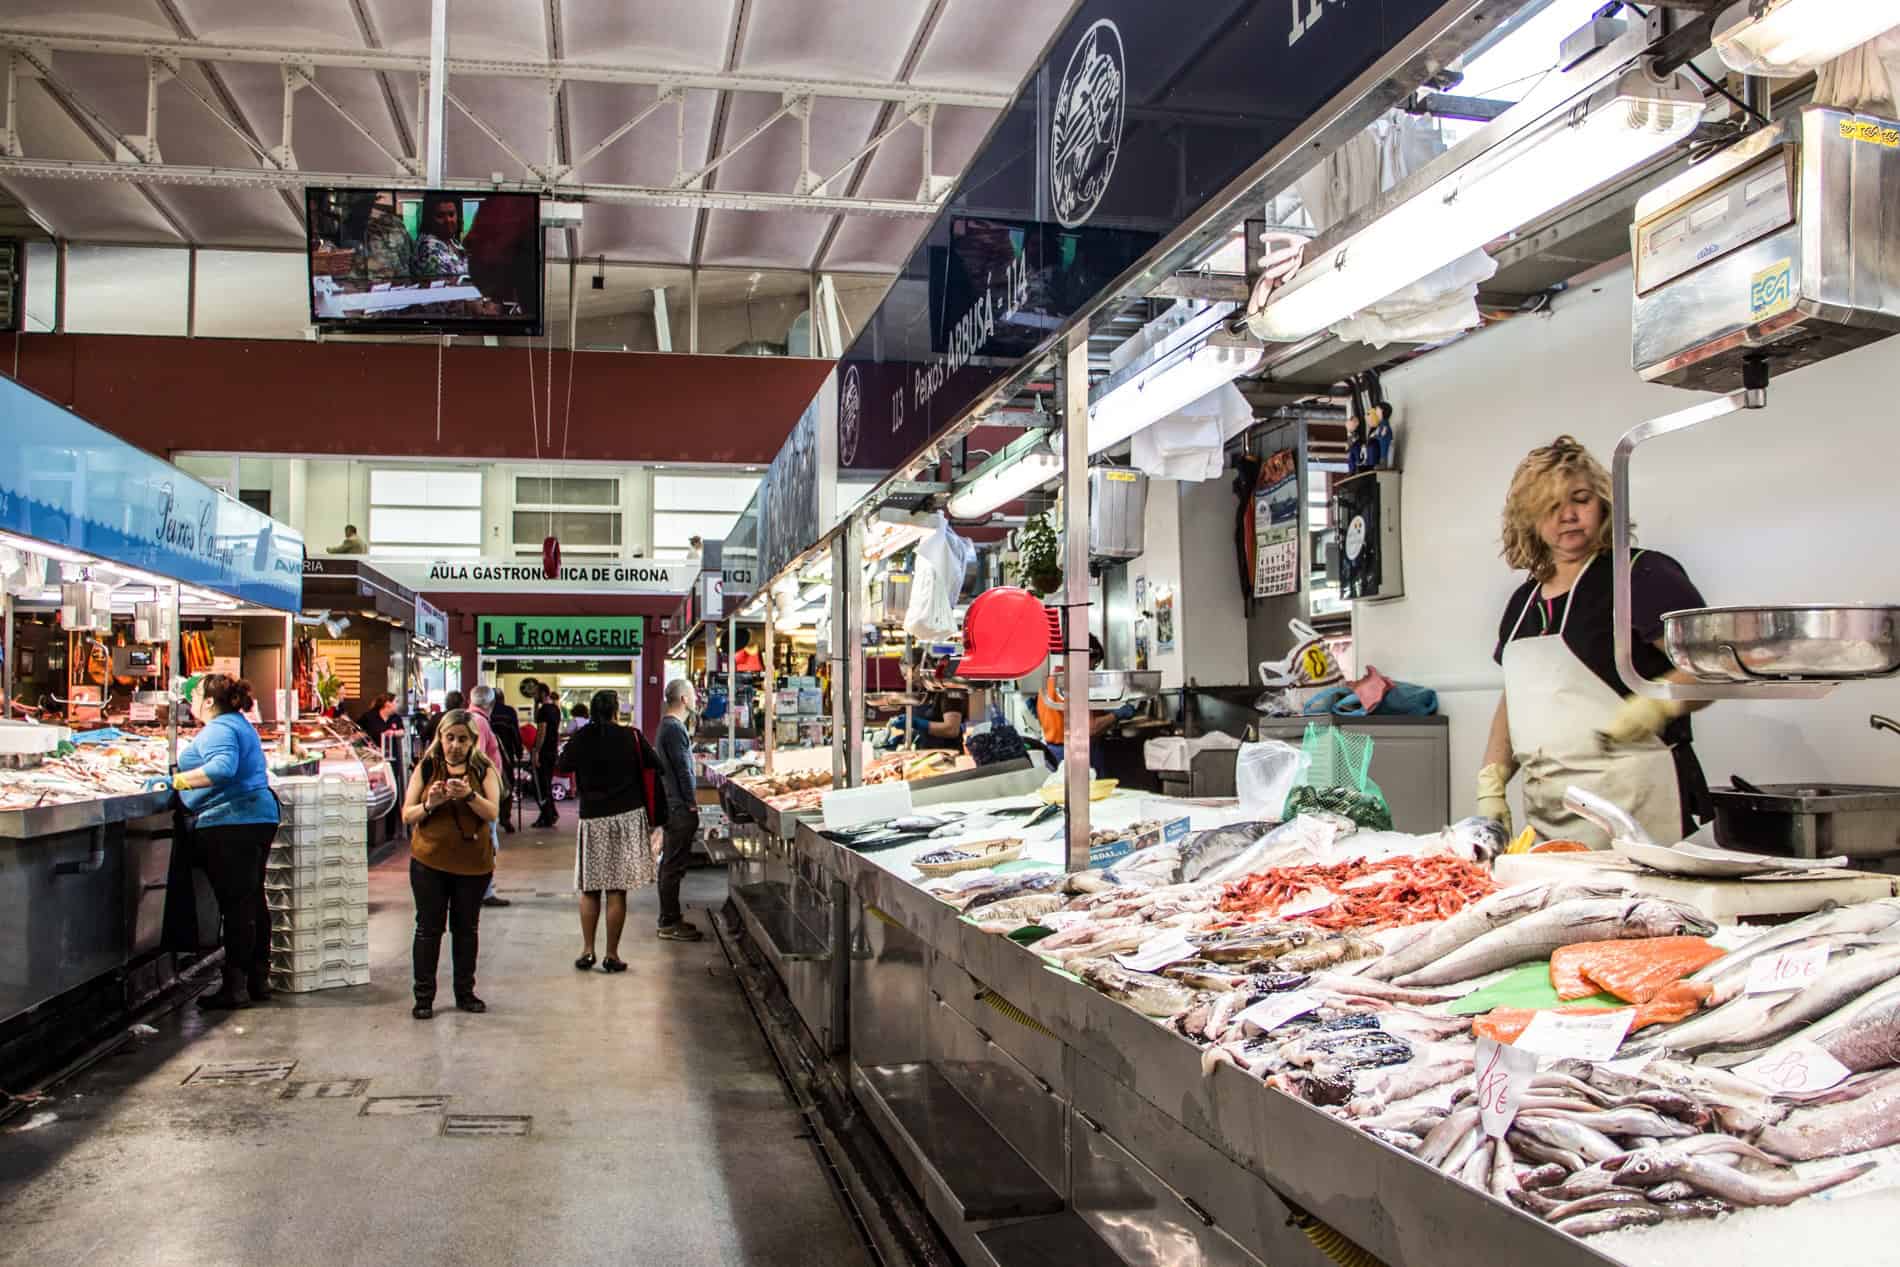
pixel 573 71
pixel 639 195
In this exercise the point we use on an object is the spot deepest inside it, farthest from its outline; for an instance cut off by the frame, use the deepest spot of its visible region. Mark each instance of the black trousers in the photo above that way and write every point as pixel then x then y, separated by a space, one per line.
pixel 676 846
pixel 455 901
pixel 544 786
pixel 234 857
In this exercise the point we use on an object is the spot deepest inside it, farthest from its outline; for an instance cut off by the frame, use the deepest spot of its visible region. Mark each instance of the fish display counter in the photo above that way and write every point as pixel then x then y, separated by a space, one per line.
pixel 1244 1042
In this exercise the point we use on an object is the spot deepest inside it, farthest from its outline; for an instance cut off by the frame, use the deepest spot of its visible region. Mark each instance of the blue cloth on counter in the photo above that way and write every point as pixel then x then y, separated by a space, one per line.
pixel 105 734
pixel 1402 700
pixel 229 751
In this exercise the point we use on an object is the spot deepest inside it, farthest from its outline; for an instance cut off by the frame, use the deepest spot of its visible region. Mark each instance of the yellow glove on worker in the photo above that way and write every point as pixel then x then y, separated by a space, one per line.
pixel 1491 802
pixel 178 782
pixel 1640 718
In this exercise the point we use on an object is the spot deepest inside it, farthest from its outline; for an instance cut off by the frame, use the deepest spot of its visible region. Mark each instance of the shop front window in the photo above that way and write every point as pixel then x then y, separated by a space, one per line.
pixel 416 512
pixel 582 511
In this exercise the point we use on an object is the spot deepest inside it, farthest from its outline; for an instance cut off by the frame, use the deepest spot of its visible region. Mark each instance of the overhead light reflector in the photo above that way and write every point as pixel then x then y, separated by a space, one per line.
pixel 1007 482
pixel 1553 160
pixel 1792 37
pixel 1171 385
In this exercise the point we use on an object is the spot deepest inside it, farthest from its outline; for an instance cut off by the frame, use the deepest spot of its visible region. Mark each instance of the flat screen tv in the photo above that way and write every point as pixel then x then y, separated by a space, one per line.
pixel 452 262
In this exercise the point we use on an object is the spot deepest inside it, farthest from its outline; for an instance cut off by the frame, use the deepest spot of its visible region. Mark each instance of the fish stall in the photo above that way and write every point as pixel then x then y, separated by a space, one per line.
pixel 123 546
pixel 1094 1024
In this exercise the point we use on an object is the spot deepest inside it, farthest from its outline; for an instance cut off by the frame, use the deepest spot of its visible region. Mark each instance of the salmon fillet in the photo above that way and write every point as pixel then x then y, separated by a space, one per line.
pixel 1635 969
pixel 1673 1003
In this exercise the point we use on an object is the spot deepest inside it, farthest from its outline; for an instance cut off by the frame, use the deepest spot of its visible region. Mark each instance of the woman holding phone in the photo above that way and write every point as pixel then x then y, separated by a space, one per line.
pixel 453 796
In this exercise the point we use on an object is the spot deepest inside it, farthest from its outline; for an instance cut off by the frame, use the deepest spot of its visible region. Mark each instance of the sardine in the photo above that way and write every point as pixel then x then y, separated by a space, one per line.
pixel 1144 991
pixel 1645 1170
pixel 1203 852
pixel 1479 918
pixel 1834 1130
pixel 1580 920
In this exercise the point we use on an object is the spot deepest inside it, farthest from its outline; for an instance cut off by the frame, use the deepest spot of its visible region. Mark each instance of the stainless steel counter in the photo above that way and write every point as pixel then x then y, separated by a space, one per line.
pixel 23 825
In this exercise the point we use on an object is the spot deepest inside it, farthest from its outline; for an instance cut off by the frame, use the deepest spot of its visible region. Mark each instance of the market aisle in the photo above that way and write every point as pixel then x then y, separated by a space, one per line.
pixel 660 1134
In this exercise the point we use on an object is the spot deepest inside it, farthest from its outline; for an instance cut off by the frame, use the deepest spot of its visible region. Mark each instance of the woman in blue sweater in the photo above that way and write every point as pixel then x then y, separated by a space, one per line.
pixel 225 784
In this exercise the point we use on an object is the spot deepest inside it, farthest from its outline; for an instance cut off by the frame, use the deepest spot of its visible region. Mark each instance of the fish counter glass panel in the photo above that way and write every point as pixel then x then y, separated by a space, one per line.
pixel 1378 1194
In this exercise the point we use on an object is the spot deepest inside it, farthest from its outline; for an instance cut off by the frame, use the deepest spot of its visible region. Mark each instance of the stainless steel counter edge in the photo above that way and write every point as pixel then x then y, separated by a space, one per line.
pixel 1385 1200
pixel 20 826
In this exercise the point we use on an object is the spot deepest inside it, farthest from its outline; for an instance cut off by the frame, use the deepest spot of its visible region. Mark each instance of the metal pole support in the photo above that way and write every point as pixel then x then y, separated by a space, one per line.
pixel 1073 383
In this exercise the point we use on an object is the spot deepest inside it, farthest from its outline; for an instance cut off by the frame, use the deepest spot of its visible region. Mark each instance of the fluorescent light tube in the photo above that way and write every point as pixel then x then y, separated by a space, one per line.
pixel 1584 143
pixel 1005 484
pixel 1169 387
pixel 60 554
pixel 1792 37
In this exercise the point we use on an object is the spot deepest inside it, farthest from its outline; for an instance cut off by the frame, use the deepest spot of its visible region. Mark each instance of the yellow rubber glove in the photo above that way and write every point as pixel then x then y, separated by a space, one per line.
pixel 1491 802
pixel 178 782
pixel 1640 718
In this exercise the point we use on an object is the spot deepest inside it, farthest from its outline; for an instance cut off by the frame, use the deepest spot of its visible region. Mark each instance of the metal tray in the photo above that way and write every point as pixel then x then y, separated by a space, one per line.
pixel 1797 641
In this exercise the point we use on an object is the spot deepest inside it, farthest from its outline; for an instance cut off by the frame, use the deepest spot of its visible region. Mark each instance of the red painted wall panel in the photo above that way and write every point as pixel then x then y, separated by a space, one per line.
pixel 379 399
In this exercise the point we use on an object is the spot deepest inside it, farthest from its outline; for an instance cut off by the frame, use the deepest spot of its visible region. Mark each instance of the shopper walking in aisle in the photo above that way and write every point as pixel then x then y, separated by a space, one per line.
pixel 506 724
pixel 490 747
pixel 682 818
pixel 225 785
pixel 547 743
pixel 617 775
pixel 450 807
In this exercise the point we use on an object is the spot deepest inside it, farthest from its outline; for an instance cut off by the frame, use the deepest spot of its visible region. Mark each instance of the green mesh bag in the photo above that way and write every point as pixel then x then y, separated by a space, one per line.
pixel 1337 779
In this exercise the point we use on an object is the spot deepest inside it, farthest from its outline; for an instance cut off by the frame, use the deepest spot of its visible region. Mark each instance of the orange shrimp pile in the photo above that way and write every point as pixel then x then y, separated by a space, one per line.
pixel 1381 894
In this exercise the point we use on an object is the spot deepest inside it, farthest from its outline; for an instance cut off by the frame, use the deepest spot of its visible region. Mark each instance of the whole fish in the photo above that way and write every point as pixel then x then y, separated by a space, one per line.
pixel 1597 1201
pixel 1016 911
pixel 1751 1022
pixel 1333 950
pixel 1005 887
pixel 1863 1035
pixel 1156 865
pixel 1547 1176
pixel 1433 1066
pixel 1714 1146
pixel 1462 1151
pixel 1475 839
pixel 1834 1130
pixel 1862 917
pixel 1565 924
pixel 1503 1178
pixel 1735 981
pixel 1446 1135
pixel 1412 1121
pixel 1421 1027
pixel 1477 1171
pixel 1144 991
pixel 1571 1137
pixel 1694 1208
pixel 1612 1220
pixel 1645 1170
pixel 1203 852
pixel 1634 1120
pixel 1479 918
pixel 1398 1139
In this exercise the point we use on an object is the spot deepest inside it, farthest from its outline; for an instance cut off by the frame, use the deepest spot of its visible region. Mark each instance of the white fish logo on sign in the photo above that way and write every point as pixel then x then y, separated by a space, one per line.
pixel 1086 134
pixel 850 413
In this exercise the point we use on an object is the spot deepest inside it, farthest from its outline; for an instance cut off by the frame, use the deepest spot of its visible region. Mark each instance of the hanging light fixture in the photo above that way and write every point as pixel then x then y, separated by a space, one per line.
pixel 1792 37
pixel 1007 477
pixel 1171 384
pixel 1554 157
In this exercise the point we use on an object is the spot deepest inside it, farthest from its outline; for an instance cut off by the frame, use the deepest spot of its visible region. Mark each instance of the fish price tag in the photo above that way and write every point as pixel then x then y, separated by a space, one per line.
pixel 1789 970
pixel 1799 1066
pixel 144 712
pixel 1276 1010
pixel 1591 1036
pixel 1158 952
pixel 1503 1075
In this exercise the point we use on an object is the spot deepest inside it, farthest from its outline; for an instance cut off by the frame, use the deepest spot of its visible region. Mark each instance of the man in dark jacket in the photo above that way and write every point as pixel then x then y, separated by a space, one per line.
pixel 682 817
pixel 506 723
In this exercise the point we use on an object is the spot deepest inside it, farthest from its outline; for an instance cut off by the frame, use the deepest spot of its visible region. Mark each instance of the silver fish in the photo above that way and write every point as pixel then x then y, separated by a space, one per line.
pixel 1834 1130
pixel 1645 1170
pixel 1207 851
pixel 1863 1035
pixel 1462 1151
pixel 1610 1200
pixel 1398 1139
pixel 1862 917
pixel 1144 991
pixel 1503 1177
pixel 1016 911
pixel 1477 1171
pixel 1572 1137
pixel 1446 1135
pixel 1538 936
pixel 1634 1120
pixel 1476 839
pixel 1751 1022
pixel 1334 950
pixel 1479 918
pixel 1612 1220
pixel 1433 1066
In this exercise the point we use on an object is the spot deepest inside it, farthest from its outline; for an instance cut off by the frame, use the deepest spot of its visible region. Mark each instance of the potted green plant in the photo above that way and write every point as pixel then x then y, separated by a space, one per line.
pixel 328 688
pixel 1039 556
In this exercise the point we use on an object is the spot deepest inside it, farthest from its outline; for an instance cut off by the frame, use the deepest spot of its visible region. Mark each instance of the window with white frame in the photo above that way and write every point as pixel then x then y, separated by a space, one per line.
pixel 417 512
pixel 583 511
pixel 691 505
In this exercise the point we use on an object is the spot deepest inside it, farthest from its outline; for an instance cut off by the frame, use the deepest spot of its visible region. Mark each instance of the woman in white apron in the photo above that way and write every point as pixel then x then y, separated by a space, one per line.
pixel 1566 717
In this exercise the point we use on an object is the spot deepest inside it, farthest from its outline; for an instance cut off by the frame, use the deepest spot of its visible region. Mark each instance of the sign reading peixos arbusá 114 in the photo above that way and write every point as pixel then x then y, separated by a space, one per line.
pixel 1131 126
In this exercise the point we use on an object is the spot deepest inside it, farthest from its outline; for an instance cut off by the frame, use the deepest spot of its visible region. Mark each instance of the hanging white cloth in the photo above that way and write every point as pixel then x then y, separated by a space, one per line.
pixel 1191 444
pixel 1865 79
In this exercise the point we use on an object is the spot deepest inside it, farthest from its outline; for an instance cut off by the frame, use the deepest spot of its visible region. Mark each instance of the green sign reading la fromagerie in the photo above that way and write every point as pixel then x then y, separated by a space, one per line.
pixel 557 635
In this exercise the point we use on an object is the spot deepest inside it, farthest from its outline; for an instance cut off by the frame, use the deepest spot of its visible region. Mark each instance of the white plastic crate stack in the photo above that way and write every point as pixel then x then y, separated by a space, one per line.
pixel 317 885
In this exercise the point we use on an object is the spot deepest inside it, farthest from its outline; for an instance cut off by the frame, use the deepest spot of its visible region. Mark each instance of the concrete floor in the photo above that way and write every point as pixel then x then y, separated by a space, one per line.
pixel 661 1133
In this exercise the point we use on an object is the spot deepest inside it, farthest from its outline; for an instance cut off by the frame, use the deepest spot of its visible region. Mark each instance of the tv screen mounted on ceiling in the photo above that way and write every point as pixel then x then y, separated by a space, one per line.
pixel 443 261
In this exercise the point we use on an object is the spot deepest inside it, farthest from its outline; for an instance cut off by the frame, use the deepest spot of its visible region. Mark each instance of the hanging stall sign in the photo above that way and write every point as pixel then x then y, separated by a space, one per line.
pixel 1276 527
pixel 798 498
pixel 432 623
pixel 516 576
pixel 1064 197
pixel 559 635
pixel 68 483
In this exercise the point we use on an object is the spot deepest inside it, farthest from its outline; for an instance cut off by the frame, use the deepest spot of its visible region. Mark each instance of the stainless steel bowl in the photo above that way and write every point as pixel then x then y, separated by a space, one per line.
pixel 1797 640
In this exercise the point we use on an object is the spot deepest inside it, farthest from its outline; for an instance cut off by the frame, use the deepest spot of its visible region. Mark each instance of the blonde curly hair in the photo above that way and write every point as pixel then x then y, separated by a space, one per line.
pixel 1543 480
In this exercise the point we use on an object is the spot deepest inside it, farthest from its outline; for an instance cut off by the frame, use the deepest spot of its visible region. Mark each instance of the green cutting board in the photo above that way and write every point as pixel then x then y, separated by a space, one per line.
pixel 1527 987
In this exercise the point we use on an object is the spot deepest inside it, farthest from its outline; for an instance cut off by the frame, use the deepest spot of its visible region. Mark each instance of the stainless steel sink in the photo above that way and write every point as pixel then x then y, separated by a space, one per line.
pixel 1812 820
